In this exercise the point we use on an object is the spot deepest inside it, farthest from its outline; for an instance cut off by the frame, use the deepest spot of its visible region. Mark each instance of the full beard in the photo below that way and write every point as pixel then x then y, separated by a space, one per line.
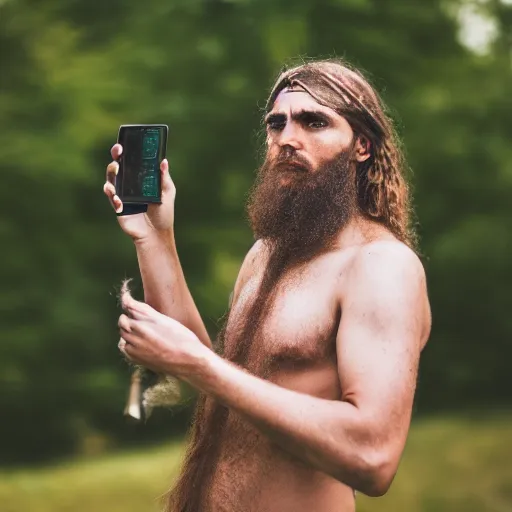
pixel 299 213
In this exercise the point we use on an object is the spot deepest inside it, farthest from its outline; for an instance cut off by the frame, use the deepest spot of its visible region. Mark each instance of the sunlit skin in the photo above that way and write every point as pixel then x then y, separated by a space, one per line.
pixel 309 131
pixel 348 330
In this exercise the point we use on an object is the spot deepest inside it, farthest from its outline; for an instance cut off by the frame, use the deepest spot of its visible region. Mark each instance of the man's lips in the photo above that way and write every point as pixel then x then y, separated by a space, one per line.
pixel 290 165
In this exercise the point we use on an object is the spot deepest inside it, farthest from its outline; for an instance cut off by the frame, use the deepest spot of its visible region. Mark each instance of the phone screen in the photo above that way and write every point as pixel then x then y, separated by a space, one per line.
pixel 138 179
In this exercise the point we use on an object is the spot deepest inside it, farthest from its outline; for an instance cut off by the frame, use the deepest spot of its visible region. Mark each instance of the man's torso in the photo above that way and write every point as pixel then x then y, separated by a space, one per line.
pixel 296 349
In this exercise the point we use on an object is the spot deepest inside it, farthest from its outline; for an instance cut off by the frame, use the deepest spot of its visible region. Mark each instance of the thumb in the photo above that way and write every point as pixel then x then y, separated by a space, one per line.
pixel 135 309
pixel 167 184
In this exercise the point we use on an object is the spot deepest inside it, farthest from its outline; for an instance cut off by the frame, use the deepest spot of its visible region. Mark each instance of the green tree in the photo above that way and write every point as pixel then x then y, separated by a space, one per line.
pixel 73 71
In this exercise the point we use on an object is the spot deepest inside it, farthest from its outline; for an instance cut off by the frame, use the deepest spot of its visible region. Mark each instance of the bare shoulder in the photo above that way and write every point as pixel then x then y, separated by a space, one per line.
pixel 381 257
pixel 389 276
pixel 254 257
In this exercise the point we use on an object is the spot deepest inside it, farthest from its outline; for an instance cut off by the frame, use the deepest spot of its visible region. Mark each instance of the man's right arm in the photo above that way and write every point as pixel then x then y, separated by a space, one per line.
pixel 165 287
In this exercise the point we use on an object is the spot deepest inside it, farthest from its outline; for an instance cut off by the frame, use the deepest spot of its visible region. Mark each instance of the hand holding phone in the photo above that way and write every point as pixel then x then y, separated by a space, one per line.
pixel 138 184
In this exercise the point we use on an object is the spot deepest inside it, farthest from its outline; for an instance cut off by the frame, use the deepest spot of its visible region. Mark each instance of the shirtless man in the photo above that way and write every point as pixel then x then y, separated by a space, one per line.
pixel 307 395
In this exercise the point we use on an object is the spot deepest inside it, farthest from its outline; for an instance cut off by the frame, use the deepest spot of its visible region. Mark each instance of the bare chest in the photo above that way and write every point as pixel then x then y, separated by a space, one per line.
pixel 296 327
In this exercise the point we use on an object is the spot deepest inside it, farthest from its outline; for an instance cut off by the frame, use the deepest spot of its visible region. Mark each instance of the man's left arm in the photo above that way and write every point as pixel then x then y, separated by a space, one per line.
pixel 359 440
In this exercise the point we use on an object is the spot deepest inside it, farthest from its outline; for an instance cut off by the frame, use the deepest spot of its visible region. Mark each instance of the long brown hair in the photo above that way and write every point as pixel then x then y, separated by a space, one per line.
pixel 382 187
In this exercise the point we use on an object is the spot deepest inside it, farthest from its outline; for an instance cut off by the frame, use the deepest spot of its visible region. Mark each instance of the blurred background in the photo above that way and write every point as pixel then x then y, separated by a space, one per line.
pixel 72 71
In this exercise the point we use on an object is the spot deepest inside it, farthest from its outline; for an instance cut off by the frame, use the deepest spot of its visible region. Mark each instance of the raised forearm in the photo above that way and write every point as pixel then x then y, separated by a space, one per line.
pixel 165 287
pixel 329 435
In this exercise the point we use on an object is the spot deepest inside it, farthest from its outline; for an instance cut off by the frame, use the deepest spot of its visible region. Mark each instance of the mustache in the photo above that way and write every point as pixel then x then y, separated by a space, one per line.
pixel 285 161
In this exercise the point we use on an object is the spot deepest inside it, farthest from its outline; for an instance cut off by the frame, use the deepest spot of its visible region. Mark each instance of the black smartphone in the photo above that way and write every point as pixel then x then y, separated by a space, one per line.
pixel 138 181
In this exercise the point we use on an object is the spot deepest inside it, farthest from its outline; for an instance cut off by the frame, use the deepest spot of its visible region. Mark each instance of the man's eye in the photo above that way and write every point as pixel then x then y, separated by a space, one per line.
pixel 317 124
pixel 275 125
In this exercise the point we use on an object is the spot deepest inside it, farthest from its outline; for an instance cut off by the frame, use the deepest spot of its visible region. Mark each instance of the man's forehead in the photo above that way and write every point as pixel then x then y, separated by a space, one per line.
pixel 294 99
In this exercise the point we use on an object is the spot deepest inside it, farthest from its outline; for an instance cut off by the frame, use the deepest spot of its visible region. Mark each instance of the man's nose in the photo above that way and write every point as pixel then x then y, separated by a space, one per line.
pixel 290 136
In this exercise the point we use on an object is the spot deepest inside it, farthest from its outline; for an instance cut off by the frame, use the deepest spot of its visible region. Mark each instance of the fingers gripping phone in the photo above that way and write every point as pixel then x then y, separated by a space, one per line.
pixel 138 181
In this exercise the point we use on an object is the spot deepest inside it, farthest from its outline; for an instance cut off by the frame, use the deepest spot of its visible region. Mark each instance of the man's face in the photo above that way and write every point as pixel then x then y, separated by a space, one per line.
pixel 304 134
pixel 305 191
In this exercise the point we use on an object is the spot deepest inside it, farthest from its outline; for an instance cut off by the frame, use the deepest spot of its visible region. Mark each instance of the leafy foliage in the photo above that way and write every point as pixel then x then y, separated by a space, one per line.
pixel 73 71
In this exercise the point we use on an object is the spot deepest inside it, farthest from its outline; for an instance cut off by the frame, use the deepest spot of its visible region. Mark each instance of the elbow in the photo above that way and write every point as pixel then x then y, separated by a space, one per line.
pixel 379 484
pixel 376 473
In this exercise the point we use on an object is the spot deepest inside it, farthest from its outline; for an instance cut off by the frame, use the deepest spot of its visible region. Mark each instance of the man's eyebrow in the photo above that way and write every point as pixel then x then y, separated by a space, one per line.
pixel 274 117
pixel 300 115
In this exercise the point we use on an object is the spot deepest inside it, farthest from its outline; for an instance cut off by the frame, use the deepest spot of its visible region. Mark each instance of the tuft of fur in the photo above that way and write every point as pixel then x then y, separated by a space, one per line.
pixel 158 390
pixel 165 393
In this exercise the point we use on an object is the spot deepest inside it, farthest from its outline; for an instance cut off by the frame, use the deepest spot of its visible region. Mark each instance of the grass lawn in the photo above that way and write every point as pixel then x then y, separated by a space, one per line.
pixel 448 465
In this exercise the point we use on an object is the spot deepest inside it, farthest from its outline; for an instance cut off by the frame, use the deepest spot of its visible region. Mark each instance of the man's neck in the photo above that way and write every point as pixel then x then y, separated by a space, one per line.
pixel 360 231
